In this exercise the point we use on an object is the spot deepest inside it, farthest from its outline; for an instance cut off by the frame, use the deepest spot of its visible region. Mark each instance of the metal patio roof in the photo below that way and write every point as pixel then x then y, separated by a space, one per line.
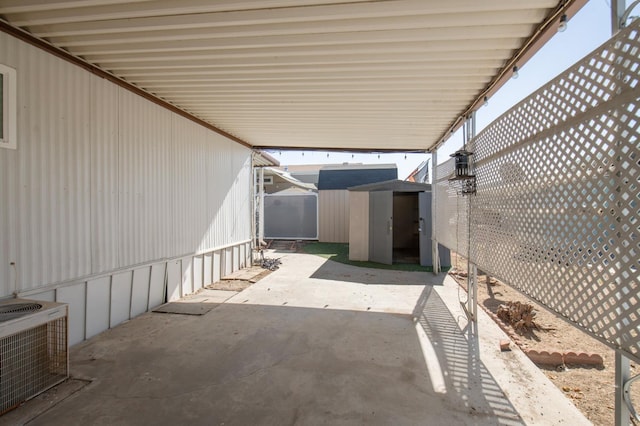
pixel 323 74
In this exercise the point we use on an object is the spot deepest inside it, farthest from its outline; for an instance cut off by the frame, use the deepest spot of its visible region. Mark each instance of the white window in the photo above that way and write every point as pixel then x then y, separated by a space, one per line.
pixel 8 105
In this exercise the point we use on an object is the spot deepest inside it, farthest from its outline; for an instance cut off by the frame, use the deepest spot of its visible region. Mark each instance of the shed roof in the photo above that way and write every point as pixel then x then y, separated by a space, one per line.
pixel 395 185
pixel 326 74
pixel 359 166
pixel 345 178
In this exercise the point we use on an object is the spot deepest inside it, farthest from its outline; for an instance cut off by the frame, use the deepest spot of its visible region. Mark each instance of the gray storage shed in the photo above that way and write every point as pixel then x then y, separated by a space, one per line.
pixel 390 222
pixel 333 196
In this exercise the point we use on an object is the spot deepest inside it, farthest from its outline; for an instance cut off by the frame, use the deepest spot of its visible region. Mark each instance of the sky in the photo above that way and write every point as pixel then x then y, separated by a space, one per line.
pixel 587 30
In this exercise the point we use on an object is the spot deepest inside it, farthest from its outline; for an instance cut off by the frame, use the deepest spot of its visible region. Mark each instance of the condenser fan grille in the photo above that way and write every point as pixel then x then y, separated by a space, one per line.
pixel 16 310
pixel 19 307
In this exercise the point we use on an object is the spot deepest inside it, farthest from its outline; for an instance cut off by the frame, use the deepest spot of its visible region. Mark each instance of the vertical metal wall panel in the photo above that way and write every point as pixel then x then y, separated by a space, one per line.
pixel 49 203
pixel 140 291
pixel 157 285
pixel 235 256
pixel 120 298
pixel 333 216
pixel 248 255
pixel 187 276
pixel 232 182
pixel 190 185
pixel 104 176
pixel 75 296
pixel 174 280
pixel 47 296
pixel 213 188
pixel 227 261
pixel 242 258
pixel 98 309
pixel 145 171
pixel 198 278
pixel 9 211
pixel 208 269
pixel 217 266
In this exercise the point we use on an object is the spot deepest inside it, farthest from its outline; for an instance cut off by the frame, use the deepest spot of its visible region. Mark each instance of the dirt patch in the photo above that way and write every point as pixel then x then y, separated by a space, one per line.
pixel 237 285
pixel 591 388
pixel 230 285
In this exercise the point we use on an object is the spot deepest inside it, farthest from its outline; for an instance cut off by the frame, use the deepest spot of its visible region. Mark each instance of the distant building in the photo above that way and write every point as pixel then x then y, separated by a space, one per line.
pixel 420 174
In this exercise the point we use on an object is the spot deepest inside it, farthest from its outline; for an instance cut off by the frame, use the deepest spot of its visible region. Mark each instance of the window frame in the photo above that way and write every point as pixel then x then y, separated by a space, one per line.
pixel 8 138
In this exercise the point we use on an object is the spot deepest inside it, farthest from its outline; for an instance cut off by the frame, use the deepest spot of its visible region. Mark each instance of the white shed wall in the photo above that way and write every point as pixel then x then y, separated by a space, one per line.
pixel 359 225
pixel 104 180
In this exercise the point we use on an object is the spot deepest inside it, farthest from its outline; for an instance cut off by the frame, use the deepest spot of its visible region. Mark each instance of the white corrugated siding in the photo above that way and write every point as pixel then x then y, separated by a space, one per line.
pixel 333 216
pixel 146 171
pixel 103 179
pixel 47 194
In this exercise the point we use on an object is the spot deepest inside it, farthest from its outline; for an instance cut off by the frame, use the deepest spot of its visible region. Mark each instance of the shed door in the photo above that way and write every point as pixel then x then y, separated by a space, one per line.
pixel 424 211
pixel 381 227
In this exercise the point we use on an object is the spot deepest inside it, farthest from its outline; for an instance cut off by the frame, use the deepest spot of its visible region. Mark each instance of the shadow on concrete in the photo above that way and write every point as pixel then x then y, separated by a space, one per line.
pixel 336 271
pixel 458 354
pixel 255 364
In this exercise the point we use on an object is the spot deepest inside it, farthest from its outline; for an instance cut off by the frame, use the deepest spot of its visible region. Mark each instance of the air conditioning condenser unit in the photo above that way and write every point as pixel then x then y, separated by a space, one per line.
pixel 34 352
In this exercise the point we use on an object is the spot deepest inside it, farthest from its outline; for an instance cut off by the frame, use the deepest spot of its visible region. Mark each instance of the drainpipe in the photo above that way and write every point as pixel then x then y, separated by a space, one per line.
pixel 15 288
pixel 261 222
pixel 254 207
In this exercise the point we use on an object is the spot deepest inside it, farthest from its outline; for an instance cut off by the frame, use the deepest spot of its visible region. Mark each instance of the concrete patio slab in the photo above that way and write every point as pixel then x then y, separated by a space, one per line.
pixel 313 343
pixel 197 304
pixel 185 308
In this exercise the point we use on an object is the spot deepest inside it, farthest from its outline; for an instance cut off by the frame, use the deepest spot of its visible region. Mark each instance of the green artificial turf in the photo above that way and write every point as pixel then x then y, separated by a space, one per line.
pixel 339 252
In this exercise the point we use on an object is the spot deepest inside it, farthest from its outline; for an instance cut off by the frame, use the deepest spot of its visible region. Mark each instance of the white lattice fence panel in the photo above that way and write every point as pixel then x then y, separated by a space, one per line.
pixel 451 216
pixel 557 208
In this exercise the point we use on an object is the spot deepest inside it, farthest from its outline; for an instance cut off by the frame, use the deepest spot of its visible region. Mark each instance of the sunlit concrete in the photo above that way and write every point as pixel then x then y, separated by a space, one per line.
pixel 315 342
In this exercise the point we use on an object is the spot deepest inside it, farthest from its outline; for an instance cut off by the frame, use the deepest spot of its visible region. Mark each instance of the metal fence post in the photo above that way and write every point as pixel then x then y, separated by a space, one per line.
pixel 435 256
pixel 621 377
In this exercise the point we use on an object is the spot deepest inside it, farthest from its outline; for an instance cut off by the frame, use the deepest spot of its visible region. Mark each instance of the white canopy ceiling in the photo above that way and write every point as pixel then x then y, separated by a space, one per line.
pixel 324 74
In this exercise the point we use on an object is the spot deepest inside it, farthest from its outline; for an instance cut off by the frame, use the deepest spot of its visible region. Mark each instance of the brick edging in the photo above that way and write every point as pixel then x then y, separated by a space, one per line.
pixel 544 357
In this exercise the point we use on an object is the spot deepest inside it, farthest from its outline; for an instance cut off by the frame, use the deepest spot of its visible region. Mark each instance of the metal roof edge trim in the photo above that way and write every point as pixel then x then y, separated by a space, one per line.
pixel 336 149
pixel 387 185
pixel 532 45
pixel 64 55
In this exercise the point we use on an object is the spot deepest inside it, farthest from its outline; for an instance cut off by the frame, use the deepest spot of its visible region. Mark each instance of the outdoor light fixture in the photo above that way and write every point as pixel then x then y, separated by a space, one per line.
pixel 486 101
pixel 515 72
pixel 463 172
pixel 563 23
